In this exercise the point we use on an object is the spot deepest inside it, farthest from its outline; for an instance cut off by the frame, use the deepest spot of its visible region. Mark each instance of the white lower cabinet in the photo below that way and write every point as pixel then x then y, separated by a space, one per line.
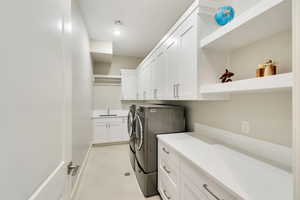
pixel 178 179
pixel 100 131
pixel 190 191
pixel 110 130
pixel 167 189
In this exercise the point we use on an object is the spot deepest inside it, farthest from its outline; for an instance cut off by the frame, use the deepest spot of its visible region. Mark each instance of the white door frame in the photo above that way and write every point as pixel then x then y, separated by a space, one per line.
pixel 67 51
pixel 296 98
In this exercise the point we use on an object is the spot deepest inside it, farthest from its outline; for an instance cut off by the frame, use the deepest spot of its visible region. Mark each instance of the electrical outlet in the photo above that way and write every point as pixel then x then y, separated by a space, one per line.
pixel 245 126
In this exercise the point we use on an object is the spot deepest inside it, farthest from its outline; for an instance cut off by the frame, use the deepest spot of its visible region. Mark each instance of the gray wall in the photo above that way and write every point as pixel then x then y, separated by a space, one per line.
pixel 269 114
pixel 82 88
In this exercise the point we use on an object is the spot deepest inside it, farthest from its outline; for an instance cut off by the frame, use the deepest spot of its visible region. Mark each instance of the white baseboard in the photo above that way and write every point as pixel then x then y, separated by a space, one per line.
pixel 52 188
pixel 275 153
pixel 81 172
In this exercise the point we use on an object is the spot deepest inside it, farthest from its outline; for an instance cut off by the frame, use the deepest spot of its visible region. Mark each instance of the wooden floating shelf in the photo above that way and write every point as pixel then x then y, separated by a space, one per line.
pixel 261 21
pixel 269 83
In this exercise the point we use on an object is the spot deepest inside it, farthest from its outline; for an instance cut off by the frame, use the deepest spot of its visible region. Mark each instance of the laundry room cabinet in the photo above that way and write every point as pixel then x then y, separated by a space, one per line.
pixel 129 84
pixel 173 64
pixel 181 54
pixel 179 179
pixel 110 129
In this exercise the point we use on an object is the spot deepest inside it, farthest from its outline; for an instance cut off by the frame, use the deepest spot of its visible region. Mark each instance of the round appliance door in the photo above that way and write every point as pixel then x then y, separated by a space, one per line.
pixel 130 123
pixel 139 131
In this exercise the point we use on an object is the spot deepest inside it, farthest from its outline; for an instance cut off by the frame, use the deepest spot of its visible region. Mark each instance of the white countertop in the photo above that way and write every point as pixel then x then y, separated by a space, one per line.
pixel 243 175
pixel 113 113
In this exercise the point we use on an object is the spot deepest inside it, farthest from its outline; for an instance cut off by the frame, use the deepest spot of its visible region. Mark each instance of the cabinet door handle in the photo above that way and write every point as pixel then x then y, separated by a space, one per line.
pixel 166 194
pixel 177 90
pixel 174 91
pixel 165 150
pixel 187 30
pixel 166 170
pixel 205 186
pixel 160 54
pixel 168 47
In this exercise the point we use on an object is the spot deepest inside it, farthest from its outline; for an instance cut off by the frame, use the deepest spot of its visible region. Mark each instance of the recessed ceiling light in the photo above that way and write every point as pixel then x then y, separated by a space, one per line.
pixel 118 22
pixel 117 32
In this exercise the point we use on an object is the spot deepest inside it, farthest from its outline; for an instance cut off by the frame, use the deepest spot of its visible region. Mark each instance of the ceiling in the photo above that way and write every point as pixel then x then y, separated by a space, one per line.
pixel 144 22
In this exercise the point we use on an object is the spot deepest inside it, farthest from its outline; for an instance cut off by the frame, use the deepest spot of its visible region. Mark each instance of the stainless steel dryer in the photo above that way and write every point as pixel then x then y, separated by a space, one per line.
pixel 131 132
pixel 152 120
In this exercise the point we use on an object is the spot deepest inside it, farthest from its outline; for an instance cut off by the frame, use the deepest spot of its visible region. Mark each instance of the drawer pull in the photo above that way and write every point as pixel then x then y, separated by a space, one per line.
pixel 205 186
pixel 166 194
pixel 166 170
pixel 165 150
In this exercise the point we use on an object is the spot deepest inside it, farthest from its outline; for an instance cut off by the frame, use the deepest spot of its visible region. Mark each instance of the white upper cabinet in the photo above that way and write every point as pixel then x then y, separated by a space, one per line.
pixel 140 88
pixel 186 87
pixel 129 84
pixel 171 54
pixel 147 83
pixel 159 78
pixel 170 71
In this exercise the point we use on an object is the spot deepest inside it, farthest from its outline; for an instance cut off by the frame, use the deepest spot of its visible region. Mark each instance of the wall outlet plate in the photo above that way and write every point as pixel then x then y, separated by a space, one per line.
pixel 245 127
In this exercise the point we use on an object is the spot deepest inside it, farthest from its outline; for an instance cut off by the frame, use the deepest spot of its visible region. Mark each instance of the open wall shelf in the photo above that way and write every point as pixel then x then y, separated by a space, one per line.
pixel 269 83
pixel 107 77
pixel 266 18
pixel 107 80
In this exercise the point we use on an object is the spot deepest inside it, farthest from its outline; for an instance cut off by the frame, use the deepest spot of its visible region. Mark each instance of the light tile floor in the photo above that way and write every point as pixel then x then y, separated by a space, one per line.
pixel 104 176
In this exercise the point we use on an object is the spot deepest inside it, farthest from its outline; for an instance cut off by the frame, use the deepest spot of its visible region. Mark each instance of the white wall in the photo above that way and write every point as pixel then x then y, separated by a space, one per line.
pixel 110 95
pixel 243 62
pixel 296 98
pixel 82 88
pixel 269 114
pixel 32 94
pixel 118 62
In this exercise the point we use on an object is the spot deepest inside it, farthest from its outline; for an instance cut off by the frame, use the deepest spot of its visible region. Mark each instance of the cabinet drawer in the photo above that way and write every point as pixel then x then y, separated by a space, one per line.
pixel 115 119
pixel 100 121
pixel 166 188
pixel 208 186
pixel 167 154
pixel 170 170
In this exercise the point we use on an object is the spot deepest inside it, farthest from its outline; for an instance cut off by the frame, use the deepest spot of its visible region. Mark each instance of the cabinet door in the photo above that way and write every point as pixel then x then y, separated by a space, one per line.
pixel 151 81
pixel 190 191
pixel 171 56
pixel 140 83
pixel 129 84
pixel 186 87
pixel 100 132
pixel 115 130
pixel 125 129
pixel 160 76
